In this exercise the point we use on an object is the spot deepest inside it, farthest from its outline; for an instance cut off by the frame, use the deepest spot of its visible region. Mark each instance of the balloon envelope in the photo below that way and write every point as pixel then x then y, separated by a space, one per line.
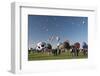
pixel 77 45
pixel 85 46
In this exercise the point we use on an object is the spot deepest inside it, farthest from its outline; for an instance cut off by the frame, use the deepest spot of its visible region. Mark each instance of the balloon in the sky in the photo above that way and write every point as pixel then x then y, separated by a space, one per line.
pixel 57 38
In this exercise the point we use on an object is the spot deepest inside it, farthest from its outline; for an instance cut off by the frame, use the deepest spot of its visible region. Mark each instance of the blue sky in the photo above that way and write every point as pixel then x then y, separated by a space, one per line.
pixel 48 28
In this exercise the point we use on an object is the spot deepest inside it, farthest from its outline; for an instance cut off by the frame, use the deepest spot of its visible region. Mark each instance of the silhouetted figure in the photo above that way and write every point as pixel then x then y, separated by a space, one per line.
pixel 85 51
pixel 54 51
pixel 77 52
pixel 58 50
pixel 85 48
pixel 73 51
pixel 29 51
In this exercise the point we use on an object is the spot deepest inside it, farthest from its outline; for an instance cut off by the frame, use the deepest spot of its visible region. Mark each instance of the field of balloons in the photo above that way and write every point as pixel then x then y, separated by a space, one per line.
pixel 64 50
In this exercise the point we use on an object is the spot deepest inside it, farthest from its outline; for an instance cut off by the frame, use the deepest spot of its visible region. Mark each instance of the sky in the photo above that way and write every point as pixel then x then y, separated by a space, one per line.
pixel 56 29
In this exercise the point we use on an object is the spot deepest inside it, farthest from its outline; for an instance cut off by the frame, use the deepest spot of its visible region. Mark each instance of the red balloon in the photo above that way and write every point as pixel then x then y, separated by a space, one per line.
pixel 77 45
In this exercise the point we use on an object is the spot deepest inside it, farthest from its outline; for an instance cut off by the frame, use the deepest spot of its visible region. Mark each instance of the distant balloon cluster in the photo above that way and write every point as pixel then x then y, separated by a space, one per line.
pixel 60 45
pixel 45 47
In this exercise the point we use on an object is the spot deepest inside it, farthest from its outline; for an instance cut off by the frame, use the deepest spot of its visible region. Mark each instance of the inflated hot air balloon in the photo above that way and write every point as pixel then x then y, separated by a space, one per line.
pixel 77 45
pixel 40 46
pixel 48 46
pixel 85 46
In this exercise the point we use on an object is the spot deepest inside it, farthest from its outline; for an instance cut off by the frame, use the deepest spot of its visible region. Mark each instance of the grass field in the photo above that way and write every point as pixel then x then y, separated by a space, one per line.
pixel 45 56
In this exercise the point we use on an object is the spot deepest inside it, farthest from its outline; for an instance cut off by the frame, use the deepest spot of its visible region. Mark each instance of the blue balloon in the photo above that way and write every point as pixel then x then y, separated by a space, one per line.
pixel 85 46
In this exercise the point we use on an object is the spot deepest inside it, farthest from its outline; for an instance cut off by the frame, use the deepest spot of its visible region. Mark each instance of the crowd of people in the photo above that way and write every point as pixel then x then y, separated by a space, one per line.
pixel 74 49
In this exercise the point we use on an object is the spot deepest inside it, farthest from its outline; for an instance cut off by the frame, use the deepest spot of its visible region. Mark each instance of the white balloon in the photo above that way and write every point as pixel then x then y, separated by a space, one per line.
pixel 59 44
pixel 57 38
pixel 40 45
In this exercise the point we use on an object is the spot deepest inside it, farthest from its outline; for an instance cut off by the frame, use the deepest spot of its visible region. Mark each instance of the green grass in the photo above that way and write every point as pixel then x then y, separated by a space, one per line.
pixel 45 56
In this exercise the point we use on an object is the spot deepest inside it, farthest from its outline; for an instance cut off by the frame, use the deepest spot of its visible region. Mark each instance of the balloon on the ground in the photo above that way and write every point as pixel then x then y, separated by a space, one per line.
pixel 40 46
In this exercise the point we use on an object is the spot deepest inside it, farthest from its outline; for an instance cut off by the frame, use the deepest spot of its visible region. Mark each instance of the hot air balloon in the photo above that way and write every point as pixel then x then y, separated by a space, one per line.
pixel 77 45
pixel 85 46
pixel 57 38
pixel 40 46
